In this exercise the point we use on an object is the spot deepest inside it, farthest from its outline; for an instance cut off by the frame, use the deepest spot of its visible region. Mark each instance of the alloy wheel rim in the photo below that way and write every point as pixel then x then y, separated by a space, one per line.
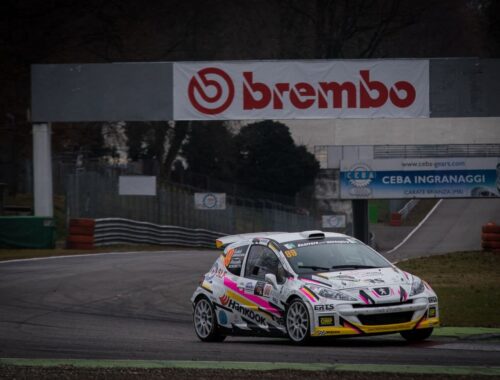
pixel 297 321
pixel 203 318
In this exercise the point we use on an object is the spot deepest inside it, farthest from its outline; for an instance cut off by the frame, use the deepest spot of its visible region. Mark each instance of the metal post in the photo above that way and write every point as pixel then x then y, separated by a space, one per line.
pixel 42 170
pixel 360 220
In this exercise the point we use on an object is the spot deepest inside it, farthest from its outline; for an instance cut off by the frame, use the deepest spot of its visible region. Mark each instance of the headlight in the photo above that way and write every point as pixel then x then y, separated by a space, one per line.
pixel 329 293
pixel 417 286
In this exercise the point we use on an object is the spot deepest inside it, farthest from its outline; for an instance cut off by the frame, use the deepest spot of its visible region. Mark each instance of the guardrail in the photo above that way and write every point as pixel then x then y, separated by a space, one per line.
pixel 118 231
pixel 89 233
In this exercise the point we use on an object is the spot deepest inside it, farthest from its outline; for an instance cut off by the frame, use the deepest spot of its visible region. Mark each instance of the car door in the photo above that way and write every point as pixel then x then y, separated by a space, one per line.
pixel 260 261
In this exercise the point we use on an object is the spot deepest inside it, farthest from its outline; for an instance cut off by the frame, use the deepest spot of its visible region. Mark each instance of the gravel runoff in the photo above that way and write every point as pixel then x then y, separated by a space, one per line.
pixel 70 373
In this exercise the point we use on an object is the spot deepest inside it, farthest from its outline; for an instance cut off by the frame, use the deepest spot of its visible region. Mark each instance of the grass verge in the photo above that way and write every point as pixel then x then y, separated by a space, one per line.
pixel 467 286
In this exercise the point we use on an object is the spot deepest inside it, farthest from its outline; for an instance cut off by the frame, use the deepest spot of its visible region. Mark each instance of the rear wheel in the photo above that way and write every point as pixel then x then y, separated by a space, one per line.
pixel 205 321
pixel 298 322
pixel 416 335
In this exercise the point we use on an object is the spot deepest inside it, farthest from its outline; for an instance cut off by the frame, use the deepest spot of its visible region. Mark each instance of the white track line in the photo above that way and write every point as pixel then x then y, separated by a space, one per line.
pixel 86 255
pixel 416 228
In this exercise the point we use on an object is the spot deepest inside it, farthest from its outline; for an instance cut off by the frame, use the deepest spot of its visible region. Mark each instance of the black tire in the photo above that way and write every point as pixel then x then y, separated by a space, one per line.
pixel 416 335
pixel 298 322
pixel 205 321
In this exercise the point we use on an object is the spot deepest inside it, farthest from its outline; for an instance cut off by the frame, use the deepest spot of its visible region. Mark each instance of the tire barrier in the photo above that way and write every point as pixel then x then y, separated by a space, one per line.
pixel 398 217
pixel 490 237
pixel 110 231
pixel 81 234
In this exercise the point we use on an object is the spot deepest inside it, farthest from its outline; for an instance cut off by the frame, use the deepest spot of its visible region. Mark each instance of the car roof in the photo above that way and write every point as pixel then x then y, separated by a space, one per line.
pixel 280 237
pixel 292 236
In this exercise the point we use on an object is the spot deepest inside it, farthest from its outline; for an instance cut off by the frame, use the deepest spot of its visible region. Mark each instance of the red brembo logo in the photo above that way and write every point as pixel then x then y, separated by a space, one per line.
pixel 216 91
pixel 215 84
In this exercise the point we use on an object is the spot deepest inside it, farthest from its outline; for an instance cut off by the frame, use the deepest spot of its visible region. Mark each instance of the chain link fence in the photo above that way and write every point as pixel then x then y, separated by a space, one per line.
pixel 94 194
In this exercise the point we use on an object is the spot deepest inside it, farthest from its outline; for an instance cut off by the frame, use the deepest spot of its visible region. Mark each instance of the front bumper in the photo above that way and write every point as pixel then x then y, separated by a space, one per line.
pixel 350 320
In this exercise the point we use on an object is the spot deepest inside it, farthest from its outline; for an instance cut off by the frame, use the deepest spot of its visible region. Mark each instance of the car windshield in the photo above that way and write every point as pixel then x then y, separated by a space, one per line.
pixel 330 255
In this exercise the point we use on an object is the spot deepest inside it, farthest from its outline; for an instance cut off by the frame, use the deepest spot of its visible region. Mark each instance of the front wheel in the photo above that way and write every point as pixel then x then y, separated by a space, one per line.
pixel 298 322
pixel 416 335
pixel 205 321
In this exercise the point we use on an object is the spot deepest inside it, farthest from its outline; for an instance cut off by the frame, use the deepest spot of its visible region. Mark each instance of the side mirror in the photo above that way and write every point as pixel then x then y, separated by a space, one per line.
pixel 271 279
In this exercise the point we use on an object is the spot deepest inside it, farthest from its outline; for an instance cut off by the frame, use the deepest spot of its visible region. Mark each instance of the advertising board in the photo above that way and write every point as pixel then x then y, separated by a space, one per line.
pixel 460 177
pixel 301 89
pixel 210 201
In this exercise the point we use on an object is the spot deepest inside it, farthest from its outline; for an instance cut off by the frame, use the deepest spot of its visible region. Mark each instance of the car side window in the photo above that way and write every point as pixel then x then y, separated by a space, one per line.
pixel 236 260
pixel 262 260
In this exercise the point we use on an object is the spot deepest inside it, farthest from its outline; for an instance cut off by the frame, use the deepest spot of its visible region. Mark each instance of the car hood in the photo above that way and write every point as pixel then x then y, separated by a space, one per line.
pixel 361 278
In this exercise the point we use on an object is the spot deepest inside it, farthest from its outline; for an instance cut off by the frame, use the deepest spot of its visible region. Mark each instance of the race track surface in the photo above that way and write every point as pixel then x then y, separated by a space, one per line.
pixel 136 306
pixel 455 225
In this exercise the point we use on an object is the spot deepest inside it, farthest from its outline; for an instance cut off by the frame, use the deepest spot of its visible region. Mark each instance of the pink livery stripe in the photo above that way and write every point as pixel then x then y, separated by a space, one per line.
pixel 255 299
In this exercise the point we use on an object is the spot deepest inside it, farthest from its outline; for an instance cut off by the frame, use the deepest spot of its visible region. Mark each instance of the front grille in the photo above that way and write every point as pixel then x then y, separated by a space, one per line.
pixel 386 319
pixel 362 305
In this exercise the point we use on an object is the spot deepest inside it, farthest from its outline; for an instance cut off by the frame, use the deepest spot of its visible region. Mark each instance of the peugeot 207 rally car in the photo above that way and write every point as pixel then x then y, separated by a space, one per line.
pixel 309 284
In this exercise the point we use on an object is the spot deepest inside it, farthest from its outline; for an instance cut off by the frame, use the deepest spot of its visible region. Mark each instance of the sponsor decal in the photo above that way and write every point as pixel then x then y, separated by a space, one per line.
pixel 326 321
pixel 224 299
pixel 273 246
pixel 432 312
pixel 375 281
pixel 229 256
pixel 328 307
pixel 290 245
pixel 259 288
pixel 249 287
pixel 309 294
pixel 222 318
pixel 267 290
pixel 232 304
pixel 213 272
pixel 345 277
pixel 220 273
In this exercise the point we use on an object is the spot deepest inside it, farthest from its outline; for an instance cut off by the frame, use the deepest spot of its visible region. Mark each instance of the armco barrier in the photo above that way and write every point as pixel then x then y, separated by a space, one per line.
pixel 490 237
pixel 123 231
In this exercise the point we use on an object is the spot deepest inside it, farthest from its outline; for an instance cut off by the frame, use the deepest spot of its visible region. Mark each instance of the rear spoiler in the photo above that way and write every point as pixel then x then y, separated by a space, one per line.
pixel 224 241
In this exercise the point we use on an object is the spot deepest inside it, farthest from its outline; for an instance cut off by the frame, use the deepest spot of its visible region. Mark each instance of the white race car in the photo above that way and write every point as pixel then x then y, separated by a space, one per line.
pixel 309 284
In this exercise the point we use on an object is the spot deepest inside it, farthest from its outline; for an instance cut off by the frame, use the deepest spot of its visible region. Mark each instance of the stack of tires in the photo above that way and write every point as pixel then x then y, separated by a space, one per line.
pixel 490 237
pixel 81 234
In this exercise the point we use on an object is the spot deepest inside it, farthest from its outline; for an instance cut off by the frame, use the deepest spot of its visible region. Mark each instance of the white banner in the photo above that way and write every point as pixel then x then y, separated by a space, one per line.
pixel 301 89
pixel 210 201
pixel 136 185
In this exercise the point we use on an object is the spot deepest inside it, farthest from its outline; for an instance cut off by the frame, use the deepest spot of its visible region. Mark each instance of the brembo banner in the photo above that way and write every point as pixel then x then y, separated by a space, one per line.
pixel 301 89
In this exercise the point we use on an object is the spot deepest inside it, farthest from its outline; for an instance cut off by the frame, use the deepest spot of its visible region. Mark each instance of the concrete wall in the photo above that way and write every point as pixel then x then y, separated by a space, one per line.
pixel 463 130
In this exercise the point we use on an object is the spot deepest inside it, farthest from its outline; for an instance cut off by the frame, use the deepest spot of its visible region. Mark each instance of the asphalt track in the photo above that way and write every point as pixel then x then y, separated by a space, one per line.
pixel 455 225
pixel 136 306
